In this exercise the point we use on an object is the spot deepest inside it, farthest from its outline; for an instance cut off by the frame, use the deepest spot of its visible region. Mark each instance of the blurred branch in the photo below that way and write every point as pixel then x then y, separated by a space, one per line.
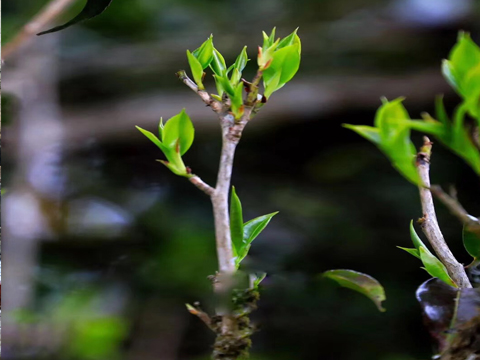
pixel 471 222
pixel 46 15
pixel 429 221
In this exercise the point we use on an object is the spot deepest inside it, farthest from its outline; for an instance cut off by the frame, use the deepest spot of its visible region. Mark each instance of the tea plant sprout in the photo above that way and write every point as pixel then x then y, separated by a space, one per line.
pixel 235 102
pixel 451 288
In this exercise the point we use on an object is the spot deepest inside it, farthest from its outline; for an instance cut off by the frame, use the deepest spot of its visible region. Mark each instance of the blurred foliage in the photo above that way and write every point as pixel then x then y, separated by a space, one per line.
pixel 339 205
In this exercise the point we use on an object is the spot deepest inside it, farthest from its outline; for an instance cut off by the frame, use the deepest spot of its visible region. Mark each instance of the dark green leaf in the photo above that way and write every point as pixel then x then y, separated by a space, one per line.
pixel 92 8
pixel 362 283
pixel 236 221
pixel 471 241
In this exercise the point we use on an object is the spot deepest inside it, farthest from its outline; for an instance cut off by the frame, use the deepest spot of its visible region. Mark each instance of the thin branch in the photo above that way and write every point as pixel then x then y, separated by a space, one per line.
pixel 204 95
pixel 429 221
pixel 202 185
pixel 47 14
pixel 472 223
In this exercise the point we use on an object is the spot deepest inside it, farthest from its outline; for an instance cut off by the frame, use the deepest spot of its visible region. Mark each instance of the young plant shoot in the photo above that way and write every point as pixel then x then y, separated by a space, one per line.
pixel 444 297
pixel 235 102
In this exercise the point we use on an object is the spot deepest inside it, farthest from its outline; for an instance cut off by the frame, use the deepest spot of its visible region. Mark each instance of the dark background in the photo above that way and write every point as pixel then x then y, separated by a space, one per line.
pixel 103 246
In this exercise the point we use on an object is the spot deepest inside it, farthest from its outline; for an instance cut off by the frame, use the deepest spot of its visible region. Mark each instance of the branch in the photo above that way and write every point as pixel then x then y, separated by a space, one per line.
pixel 471 223
pixel 199 183
pixel 46 15
pixel 429 221
pixel 205 96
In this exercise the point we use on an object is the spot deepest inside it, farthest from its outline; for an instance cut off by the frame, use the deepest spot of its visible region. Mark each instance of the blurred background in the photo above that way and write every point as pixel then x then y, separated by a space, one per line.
pixel 103 246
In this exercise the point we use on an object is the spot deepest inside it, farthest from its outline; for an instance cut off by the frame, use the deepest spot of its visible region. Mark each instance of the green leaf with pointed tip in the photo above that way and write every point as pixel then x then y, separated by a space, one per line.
pixel 204 53
pixel 268 40
pixel 254 227
pixel 392 136
pixel 241 60
pixel 265 56
pixel 362 283
pixel 218 64
pixel 368 132
pixel 471 241
pixel 196 68
pixel 153 138
pixel 464 56
pixel 413 252
pixel 417 242
pixel 289 40
pixel 236 221
pixel 434 266
pixel 251 229
pixel 179 127
pixel 286 62
pixel 92 8
pixel 225 84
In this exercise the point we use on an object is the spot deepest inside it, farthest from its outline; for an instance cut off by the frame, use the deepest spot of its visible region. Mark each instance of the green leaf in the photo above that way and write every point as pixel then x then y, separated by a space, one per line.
pixel 175 162
pixel 153 138
pixel 268 40
pixel 236 221
pixel 218 65
pixel 179 127
pixel 471 241
pixel 286 62
pixel 413 252
pixel 434 266
pixel 92 8
pixel 237 101
pixel 289 40
pixel 224 83
pixel 265 56
pixel 241 60
pixel 362 283
pixel 368 132
pixel 251 229
pixel 417 242
pixel 197 69
pixel 204 53
pixel 464 56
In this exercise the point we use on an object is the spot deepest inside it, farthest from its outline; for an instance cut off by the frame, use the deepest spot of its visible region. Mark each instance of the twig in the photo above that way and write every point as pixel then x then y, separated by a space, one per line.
pixel 202 185
pixel 470 222
pixel 205 96
pixel 46 15
pixel 429 221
